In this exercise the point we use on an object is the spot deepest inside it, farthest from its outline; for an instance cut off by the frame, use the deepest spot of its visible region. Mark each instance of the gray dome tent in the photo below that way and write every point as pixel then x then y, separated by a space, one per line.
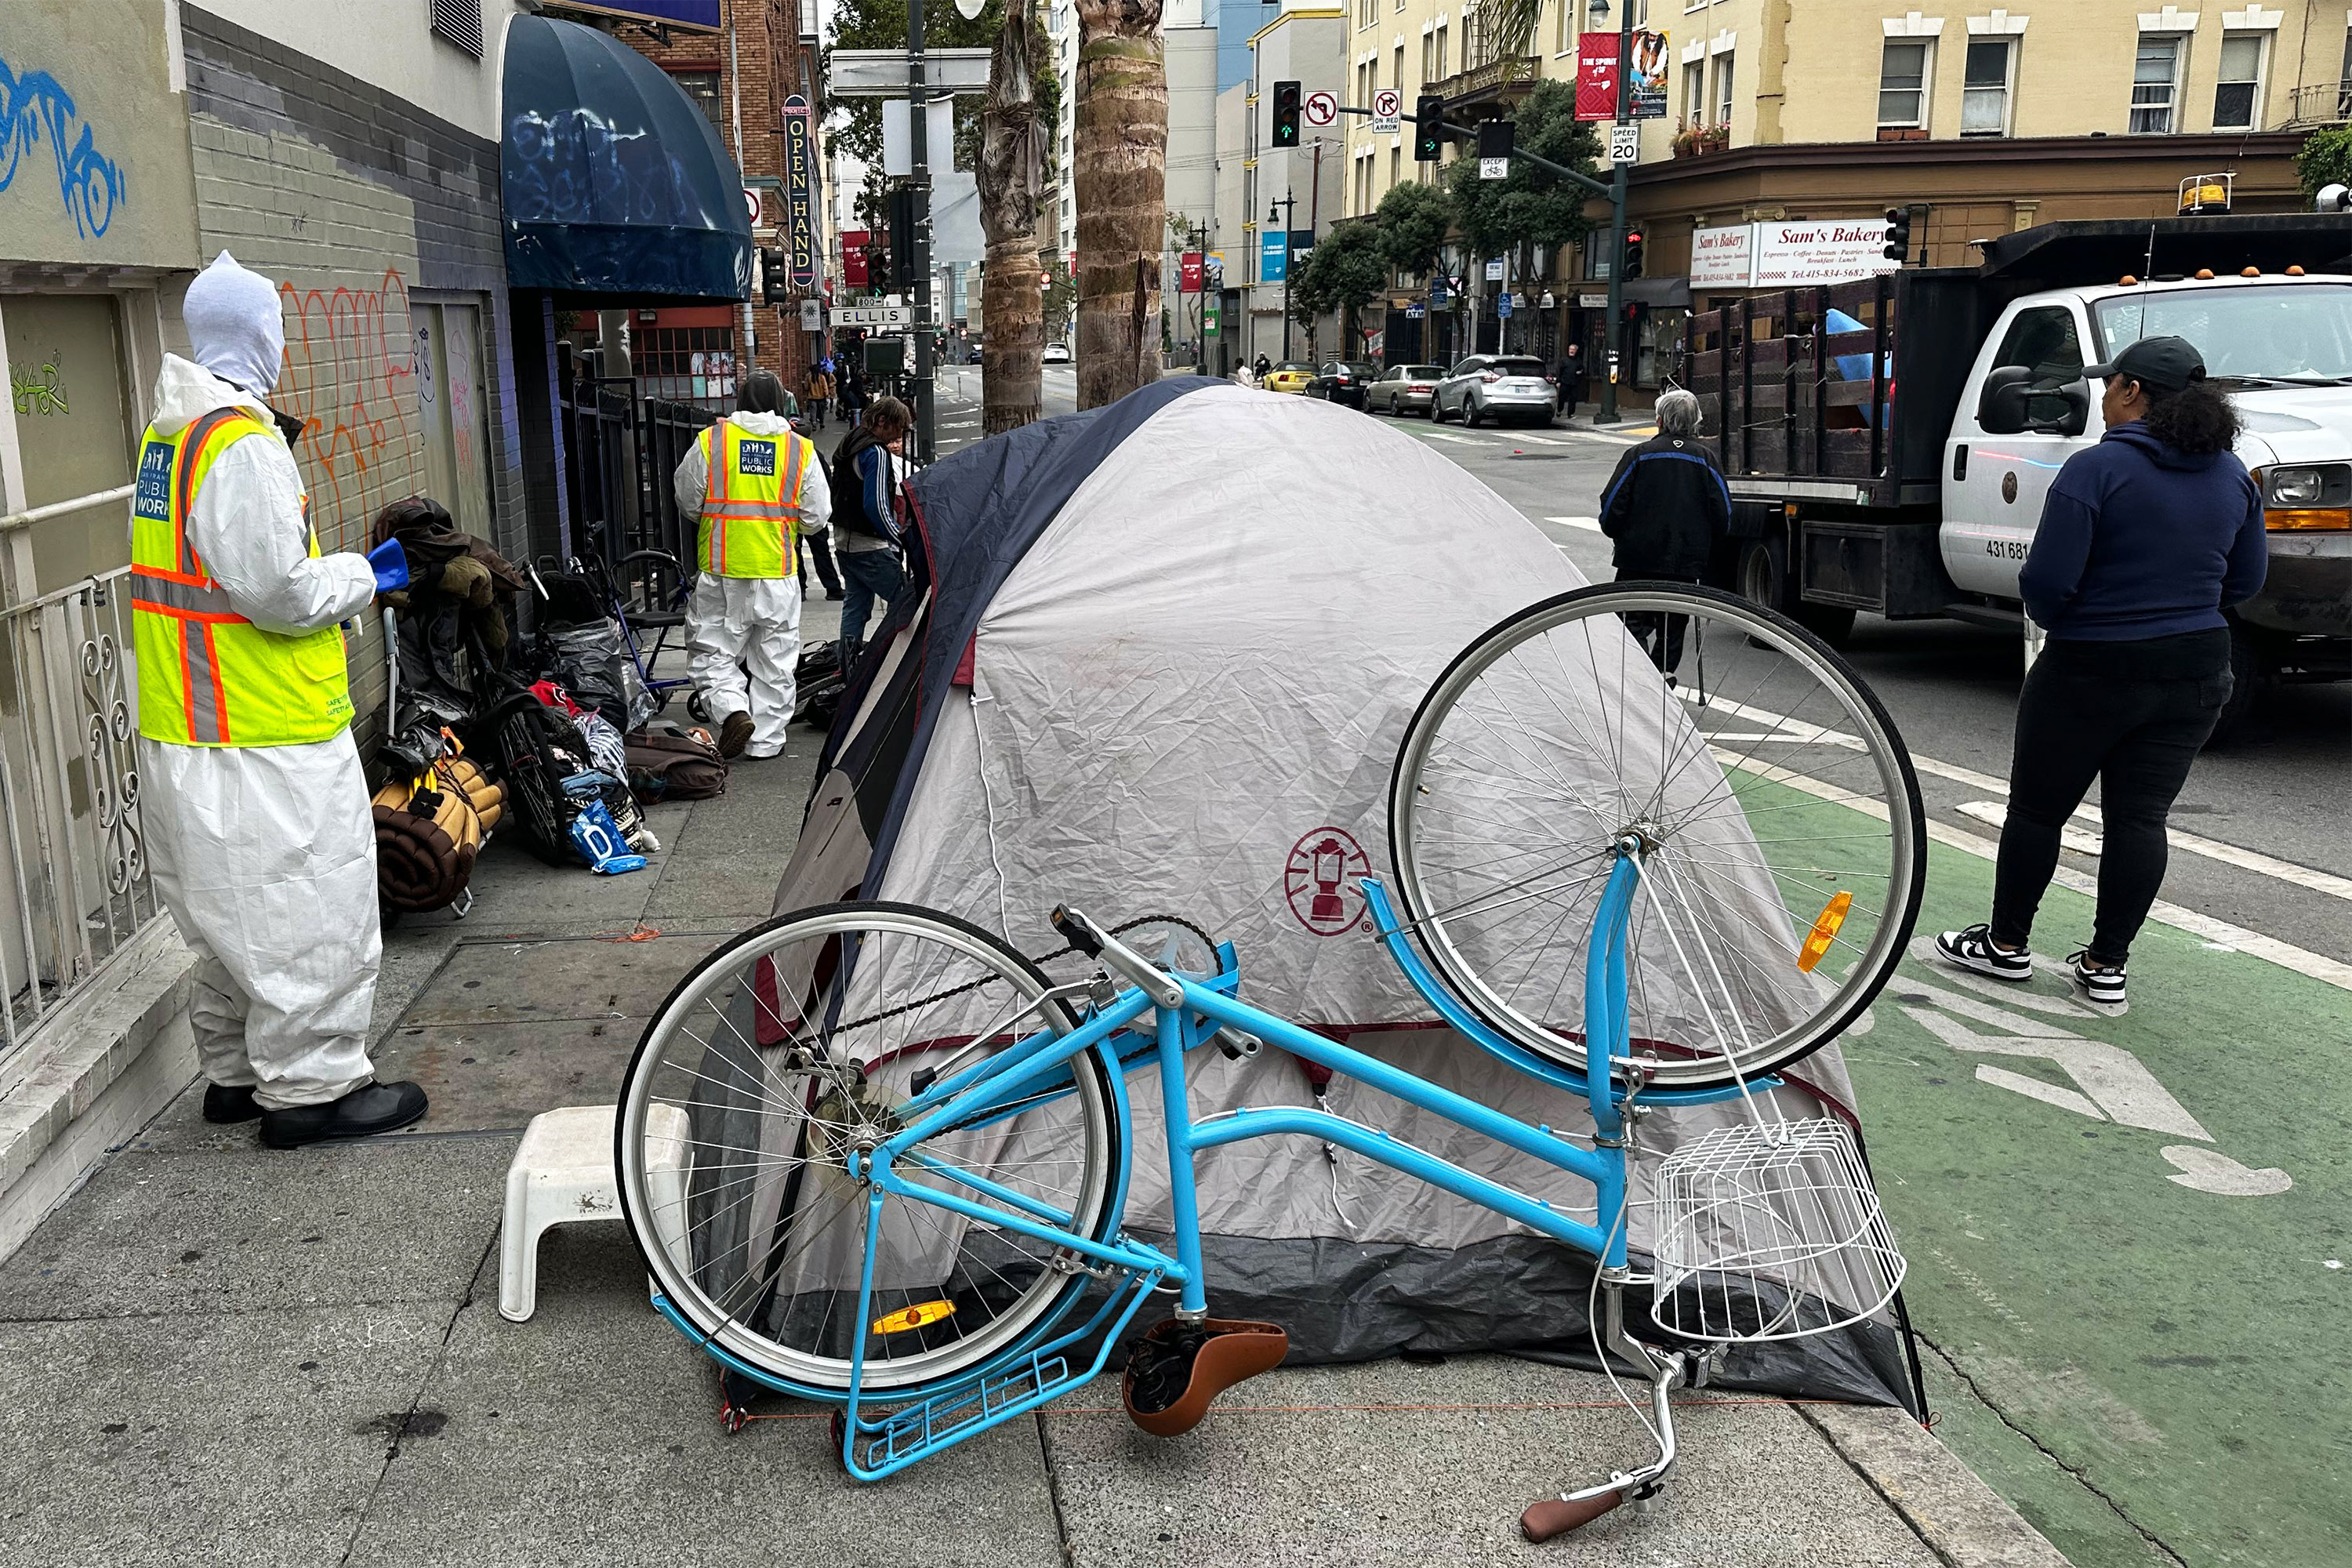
pixel 1159 661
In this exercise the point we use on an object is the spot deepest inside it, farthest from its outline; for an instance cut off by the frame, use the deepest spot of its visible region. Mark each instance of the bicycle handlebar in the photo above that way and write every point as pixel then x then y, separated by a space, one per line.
pixel 1117 956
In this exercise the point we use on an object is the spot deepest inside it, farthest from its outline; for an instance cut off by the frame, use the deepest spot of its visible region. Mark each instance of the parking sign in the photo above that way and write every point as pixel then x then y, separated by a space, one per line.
pixel 1388 111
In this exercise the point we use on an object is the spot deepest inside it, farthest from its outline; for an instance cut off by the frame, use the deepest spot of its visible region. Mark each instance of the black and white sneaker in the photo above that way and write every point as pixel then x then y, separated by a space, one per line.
pixel 2100 984
pixel 1974 951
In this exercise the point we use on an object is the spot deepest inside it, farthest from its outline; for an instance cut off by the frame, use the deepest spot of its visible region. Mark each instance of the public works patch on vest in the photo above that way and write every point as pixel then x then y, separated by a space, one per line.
pixel 758 456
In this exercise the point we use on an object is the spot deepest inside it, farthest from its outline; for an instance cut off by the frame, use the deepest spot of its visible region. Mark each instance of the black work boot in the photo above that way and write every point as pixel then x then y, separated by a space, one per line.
pixel 362 1113
pixel 227 1103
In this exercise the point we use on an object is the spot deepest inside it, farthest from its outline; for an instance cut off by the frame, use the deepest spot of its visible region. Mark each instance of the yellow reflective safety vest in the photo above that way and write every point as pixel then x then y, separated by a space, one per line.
pixel 752 516
pixel 208 676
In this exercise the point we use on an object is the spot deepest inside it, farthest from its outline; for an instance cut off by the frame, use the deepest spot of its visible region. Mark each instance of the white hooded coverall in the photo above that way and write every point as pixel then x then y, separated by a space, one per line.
pixel 265 855
pixel 735 622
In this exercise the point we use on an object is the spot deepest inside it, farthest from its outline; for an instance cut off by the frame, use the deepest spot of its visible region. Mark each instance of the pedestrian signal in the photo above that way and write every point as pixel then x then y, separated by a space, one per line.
pixel 1428 127
pixel 1286 114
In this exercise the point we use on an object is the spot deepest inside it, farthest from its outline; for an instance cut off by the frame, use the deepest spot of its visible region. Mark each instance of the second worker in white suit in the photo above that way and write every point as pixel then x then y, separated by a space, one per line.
pixel 755 487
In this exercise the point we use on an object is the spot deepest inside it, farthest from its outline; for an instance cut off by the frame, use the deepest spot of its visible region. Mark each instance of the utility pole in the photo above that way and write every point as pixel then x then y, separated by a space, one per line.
pixel 1289 204
pixel 1608 411
pixel 918 145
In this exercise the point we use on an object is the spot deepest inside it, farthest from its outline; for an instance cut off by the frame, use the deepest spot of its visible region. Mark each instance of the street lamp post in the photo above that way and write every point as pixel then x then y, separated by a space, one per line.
pixel 1289 204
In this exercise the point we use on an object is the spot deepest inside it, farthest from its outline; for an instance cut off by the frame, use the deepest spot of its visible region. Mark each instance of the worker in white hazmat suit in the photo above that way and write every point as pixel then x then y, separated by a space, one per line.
pixel 259 836
pixel 755 487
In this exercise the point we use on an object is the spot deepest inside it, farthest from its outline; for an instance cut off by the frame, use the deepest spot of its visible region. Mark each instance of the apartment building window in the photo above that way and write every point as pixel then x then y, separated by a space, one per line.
pixel 1903 85
pixel 2237 95
pixel 1984 88
pixel 1694 92
pixel 702 87
pixel 2156 83
pixel 1722 87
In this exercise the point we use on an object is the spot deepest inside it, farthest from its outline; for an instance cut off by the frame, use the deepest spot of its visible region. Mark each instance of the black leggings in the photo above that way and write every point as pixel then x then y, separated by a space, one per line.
pixel 2132 714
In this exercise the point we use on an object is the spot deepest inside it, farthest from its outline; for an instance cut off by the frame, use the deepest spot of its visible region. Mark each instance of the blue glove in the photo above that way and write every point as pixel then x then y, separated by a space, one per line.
pixel 391 563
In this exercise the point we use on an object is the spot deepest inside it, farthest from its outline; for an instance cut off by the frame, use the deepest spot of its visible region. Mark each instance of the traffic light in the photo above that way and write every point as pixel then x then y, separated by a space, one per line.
pixel 1496 138
pixel 772 275
pixel 1428 127
pixel 1286 114
pixel 1898 234
pixel 1632 254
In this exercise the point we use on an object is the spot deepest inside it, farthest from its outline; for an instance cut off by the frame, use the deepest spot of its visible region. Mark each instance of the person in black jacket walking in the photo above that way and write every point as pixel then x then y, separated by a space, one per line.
pixel 1666 506
pixel 2144 539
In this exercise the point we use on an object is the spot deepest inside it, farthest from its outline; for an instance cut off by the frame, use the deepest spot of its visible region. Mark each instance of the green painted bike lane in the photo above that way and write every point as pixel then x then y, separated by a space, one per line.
pixel 2130 1238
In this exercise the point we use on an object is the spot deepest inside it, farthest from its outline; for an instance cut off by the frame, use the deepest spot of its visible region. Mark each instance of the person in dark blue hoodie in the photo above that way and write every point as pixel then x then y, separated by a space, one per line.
pixel 2145 539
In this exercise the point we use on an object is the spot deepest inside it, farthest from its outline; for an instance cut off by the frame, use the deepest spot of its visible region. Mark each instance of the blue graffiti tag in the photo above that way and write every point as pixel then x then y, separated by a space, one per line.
pixel 34 105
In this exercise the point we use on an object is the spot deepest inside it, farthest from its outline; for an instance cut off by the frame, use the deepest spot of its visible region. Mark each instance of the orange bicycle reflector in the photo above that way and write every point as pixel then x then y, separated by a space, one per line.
pixel 922 1313
pixel 1824 932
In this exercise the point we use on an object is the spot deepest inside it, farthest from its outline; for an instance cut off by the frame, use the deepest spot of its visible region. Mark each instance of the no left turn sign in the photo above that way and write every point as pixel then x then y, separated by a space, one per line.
pixel 1322 108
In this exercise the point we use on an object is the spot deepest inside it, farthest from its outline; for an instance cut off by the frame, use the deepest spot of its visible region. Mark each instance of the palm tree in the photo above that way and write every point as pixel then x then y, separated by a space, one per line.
pixel 1011 175
pixel 1120 164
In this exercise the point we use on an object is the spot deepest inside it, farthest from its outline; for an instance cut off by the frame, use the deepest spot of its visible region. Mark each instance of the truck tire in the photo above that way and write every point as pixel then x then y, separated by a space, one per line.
pixel 2250 669
pixel 1764 580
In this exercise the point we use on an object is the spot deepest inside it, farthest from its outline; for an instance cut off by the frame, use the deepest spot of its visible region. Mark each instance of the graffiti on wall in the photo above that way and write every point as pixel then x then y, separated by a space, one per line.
pixel 34 107
pixel 351 376
pixel 38 389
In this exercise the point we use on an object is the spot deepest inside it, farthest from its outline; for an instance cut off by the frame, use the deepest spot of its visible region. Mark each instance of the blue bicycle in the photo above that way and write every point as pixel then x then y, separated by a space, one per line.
pixel 1652 846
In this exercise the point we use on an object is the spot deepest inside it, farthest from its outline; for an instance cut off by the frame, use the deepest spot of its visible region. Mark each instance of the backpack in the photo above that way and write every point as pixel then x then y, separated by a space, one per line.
pixel 667 763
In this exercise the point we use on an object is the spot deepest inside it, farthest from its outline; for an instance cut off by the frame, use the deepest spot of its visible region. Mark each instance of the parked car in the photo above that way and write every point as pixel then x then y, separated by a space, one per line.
pixel 1501 387
pixel 1405 389
pixel 1290 375
pixel 1055 353
pixel 1343 381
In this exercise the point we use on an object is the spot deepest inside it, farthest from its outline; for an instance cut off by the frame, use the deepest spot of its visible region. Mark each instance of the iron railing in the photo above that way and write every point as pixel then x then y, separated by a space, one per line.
pixel 77 889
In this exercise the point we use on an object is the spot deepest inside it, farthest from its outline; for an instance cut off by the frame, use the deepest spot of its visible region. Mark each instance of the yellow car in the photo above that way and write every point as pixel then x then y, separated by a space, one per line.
pixel 1290 375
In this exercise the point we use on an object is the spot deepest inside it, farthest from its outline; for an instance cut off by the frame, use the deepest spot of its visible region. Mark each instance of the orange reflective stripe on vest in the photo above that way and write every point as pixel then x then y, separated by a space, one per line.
pixel 752 512
pixel 208 676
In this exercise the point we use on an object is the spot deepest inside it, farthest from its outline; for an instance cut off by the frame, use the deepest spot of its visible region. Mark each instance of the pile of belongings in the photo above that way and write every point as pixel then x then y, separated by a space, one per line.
pixel 457 616
pixel 432 817
pixel 567 769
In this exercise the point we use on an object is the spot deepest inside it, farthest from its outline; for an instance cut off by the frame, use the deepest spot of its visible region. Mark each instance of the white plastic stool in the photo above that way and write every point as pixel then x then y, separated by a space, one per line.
pixel 563 1172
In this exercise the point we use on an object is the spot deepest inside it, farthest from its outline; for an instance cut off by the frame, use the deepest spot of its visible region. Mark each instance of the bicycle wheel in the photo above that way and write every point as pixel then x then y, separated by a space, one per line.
pixel 789 1050
pixel 1778 815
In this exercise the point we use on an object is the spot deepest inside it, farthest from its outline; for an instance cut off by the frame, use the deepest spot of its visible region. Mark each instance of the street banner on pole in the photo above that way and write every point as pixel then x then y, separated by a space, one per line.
pixel 1188 272
pixel 1648 75
pixel 800 200
pixel 1596 76
pixel 1388 111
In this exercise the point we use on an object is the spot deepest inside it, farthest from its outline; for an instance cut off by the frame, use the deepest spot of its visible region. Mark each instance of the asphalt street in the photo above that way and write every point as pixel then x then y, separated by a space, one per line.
pixel 2117 1227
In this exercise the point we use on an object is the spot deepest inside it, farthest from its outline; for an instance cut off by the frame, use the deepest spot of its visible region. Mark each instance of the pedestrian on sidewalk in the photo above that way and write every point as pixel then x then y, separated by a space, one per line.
pixel 2143 540
pixel 251 793
pixel 1667 507
pixel 820 388
pixel 1568 379
pixel 867 472
pixel 755 487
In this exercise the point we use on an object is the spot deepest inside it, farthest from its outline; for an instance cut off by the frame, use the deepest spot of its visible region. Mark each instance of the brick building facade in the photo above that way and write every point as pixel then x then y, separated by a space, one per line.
pixel 772 55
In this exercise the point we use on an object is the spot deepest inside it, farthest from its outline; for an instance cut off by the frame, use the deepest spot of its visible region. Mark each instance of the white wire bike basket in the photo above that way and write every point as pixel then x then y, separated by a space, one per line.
pixel 1770 1231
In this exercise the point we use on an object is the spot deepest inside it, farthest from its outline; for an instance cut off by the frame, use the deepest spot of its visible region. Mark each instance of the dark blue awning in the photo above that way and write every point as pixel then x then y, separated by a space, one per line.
pixel 616 186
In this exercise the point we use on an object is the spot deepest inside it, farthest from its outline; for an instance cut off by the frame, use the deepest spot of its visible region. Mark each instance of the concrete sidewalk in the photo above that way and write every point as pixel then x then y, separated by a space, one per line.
pixel 212 1353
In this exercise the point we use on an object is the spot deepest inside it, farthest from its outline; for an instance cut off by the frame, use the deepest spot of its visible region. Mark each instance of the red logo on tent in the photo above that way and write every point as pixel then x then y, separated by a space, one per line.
pixel 1320 879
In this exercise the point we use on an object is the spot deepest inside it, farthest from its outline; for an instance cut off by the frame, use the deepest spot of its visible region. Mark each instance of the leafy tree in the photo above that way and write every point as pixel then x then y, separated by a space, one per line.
pixel 1347 270
pixel 1530 207
pixel 1413 221
pixel 2325 159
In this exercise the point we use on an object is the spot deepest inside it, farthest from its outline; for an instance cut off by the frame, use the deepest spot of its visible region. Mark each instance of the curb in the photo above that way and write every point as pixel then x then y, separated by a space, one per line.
pixel 1962 1520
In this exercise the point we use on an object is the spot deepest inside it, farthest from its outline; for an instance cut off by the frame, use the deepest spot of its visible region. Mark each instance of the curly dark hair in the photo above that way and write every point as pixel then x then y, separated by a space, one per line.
pixel 2198 419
